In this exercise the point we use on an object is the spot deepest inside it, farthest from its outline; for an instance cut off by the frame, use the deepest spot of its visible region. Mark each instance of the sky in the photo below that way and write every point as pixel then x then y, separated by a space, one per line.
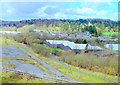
pixel 16 11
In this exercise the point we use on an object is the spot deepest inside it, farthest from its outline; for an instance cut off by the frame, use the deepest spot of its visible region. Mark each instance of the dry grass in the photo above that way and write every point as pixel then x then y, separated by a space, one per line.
pixel 107 65
pixel 11 66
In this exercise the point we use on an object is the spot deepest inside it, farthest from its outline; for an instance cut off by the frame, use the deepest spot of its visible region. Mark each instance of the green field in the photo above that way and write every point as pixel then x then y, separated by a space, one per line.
pixel 109 33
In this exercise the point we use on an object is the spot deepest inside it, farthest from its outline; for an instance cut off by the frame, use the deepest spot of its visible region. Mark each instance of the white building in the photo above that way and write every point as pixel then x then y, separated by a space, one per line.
pixel 112 46
pixel 72 45
pixel 9 32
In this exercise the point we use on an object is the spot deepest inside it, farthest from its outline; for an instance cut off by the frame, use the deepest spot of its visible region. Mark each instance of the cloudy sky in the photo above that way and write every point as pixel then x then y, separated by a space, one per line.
pixel 15 11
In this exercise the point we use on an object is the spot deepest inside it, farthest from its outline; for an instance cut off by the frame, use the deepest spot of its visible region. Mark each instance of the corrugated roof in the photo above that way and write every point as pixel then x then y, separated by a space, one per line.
pixel 72 45
pixel 80 46
pixel 57 41
pixel 94 48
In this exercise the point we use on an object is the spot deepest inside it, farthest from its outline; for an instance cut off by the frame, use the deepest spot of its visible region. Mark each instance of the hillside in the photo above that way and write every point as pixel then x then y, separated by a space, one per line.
pixel 56 22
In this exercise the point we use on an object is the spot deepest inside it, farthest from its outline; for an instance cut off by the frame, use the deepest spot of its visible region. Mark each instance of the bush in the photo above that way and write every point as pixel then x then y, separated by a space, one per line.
pixel 18 38
pixel 26 28
pixel 16 76
pixel 60 52
pixel 108 65
pixel 41 50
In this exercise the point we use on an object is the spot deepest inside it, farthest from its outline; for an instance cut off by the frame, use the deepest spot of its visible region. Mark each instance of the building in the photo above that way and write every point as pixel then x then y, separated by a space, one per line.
pixel 62 44
pixel 67 45
pixel 9 32
pixel 112 46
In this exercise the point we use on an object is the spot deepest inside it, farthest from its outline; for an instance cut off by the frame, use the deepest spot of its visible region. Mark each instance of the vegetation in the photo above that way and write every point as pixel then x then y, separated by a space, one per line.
pixel 11 66
pixel 105 65
pixel 56 23
pixel 41 50
pixel 76 75
pixel 68 26
pixel 110 33
pixel 26 28
pixel 11 77
pixel 34 43
pixel 5 42
pixel 80 76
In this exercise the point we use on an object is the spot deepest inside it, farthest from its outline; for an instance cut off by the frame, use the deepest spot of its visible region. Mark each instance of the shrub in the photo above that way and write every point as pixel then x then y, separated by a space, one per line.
pixel 26 28
pixel 60 52
pixel 16 76
pixel 11 66
pixel 41 50
pixel 18 38
pixel 108 65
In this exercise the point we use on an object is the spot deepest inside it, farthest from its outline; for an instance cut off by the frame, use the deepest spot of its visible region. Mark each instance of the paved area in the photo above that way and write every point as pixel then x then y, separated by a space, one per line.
pixel 27 68
pixel 12 52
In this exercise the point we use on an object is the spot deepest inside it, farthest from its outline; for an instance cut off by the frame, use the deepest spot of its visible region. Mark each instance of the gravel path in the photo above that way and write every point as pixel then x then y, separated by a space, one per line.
pixel 54 71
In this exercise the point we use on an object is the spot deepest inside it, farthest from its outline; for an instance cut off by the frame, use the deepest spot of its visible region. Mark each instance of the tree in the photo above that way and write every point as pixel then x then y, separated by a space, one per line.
pixel 92 30
pixel 13 29
pixel 26 28
pixel 115 29
pixel 107 29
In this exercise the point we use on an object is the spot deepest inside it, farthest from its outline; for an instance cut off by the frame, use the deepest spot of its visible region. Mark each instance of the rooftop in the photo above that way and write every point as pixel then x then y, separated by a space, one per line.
pixel 12 32
pixel 72 45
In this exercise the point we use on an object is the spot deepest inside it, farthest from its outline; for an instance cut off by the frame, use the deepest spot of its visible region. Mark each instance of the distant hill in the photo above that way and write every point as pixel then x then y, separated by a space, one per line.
pixel 56 22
